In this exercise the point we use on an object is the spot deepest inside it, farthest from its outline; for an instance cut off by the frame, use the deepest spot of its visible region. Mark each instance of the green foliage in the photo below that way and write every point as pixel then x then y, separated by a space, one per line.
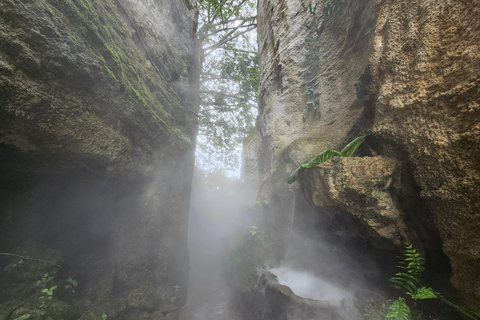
pixel 229 80
pixel 398 310
pixel 351 148
pixel 104 316
pixel 47 294
pixel 412 267
pixel 248 257
pixel 71 284
pixel 425 293
pixel 409 281
pixel 349 151
pixel 43 283
pixel 176 288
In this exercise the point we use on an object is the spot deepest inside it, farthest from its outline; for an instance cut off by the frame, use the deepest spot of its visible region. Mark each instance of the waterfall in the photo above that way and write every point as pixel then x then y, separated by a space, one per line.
pixel 293 217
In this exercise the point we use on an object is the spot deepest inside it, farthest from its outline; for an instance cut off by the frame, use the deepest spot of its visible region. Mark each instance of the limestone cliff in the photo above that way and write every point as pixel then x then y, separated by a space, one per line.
pixel 98 103
pixel 407 72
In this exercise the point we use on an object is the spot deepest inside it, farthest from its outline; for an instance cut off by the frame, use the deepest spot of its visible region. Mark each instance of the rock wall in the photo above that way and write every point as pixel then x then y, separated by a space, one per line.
pixel 98 103
pixel 407 72
pixel 288 137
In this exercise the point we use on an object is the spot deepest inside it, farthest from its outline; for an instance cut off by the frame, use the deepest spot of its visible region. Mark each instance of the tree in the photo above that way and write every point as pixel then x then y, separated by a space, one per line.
pixel 229 80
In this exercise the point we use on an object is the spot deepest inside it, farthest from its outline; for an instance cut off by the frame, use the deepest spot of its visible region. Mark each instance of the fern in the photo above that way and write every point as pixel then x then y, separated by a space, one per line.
pixel 408 281
pixel 349 151
pixel 398 310
pixel 425 293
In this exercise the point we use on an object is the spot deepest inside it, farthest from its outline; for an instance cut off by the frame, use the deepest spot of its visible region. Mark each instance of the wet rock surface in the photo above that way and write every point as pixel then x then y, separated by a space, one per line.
pixel 97 127
pixel 408 72
pixel 282 303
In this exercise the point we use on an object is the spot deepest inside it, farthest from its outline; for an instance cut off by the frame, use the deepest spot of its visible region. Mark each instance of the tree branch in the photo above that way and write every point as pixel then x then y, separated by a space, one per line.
pixel 211 48
pixel 27 258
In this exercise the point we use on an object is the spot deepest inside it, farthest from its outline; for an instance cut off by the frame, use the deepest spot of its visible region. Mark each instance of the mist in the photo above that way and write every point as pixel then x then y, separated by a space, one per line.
pixel 228 232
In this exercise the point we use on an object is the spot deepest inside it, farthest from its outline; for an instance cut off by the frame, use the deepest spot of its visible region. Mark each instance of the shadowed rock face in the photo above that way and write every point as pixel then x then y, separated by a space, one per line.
pixel 408 72
pixel 97 135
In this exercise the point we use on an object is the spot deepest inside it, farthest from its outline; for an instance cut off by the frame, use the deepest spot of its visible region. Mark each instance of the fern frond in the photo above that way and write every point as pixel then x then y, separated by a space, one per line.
pixel 425 293
pixel 398 310
pixel 412 263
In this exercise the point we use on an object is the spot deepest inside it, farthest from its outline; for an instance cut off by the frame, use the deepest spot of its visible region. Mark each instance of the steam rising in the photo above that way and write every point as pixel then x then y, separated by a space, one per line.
pixel 306 285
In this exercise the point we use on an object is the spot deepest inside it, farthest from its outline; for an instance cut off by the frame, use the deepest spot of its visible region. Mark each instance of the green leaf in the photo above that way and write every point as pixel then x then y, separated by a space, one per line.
pixel 425 293
pixel 351 148
pixel 398 310
pixel 348 151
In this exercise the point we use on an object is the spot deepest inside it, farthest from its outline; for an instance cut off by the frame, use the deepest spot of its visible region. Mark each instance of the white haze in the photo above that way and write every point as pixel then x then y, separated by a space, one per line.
pixel 306 285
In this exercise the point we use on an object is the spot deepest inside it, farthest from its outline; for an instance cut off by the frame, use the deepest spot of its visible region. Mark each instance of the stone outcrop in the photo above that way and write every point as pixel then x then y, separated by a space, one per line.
pixel 426 79
pixel 405 71
pixel 282 303
pixel 98 103
pixel 359 186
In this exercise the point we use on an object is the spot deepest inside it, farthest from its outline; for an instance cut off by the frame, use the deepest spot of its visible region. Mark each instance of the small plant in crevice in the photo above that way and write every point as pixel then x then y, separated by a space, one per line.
pixel 43 283
pixel 408 280
pixel 71 284
pixel 47 294
pixel 349 150
pixel 46 289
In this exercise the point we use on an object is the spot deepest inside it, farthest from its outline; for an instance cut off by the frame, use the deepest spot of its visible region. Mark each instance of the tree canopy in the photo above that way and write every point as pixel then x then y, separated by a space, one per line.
pixel 229 80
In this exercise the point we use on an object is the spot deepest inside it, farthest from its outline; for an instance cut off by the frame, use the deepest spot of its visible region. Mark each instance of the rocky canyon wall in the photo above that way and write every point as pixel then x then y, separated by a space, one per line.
pixel 405 72
pixel 98 103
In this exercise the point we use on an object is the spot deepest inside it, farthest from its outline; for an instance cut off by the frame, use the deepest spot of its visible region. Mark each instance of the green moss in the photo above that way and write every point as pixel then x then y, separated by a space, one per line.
pixel 101 59
pixel 117 57
pixel 121 63
pixel 87 5
pixel 145 103
pixel 182 136
pixel 106 29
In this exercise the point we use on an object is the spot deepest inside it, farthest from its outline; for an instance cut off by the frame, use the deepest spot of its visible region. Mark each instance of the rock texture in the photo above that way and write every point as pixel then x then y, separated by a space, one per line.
pixel 287 140
pixel 359 185
pixel 408 72
pixel 426 75
pixel 97 135
pixel 282 303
